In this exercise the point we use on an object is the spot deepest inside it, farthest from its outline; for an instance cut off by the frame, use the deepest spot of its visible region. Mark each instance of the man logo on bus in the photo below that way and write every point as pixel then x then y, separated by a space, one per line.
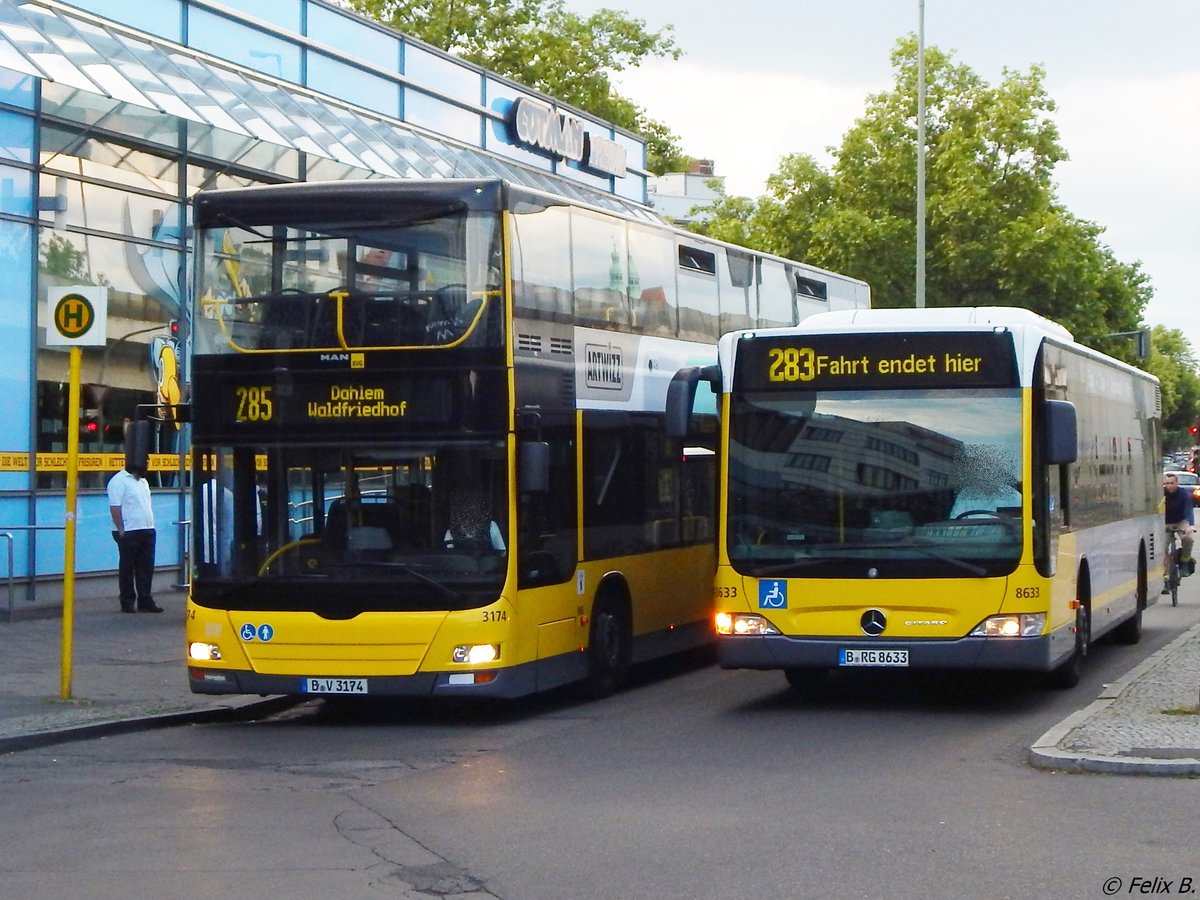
pixel 772 595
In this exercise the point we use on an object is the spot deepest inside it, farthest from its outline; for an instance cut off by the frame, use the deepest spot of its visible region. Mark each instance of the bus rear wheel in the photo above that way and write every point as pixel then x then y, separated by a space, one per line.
pixel 608 648
pixel 1130 631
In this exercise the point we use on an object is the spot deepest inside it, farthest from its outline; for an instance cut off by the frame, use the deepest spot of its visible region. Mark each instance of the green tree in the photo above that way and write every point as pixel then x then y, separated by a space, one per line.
pixel 996 233
pixel 545 47
pixel 1172 360
pixel 60 258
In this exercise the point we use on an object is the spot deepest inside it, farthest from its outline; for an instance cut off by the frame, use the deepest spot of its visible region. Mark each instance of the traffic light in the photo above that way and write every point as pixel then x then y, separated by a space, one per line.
pixel 173 328
pixel 1194 429
pixel 89 426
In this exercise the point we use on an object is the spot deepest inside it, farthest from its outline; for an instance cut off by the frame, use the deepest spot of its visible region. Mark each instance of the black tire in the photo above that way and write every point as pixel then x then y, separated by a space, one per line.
pixel 805 680
pixel 1129 631
pixel 609 645
pixel 1067 675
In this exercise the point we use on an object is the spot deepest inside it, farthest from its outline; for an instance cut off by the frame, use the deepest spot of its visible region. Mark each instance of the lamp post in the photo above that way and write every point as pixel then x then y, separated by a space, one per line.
pixel 920 154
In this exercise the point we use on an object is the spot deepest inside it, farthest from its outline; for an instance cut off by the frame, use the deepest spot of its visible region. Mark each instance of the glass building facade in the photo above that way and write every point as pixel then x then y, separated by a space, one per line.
pixel 113 114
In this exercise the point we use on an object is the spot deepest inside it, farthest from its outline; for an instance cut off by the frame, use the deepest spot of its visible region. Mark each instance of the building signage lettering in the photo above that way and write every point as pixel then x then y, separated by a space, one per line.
pixel 540 127
pixel 604 155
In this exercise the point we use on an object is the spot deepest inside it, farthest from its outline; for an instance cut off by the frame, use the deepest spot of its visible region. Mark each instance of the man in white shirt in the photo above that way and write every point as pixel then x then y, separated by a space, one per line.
pixel 133 515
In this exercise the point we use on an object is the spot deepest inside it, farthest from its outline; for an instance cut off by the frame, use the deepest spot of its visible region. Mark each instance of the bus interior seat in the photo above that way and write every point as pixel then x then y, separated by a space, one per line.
pixel 372 527
pixel 324 330
pixel 662 532
pixel 392 321
pixel 285 323
pixel 324 325
pixel 367 542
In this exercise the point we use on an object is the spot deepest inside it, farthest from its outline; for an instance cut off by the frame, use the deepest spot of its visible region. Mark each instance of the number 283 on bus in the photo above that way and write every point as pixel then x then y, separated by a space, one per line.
pixel 791 364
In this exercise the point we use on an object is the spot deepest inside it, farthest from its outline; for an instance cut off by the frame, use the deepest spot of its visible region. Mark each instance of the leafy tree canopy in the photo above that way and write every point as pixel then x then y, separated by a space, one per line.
pixel 545 47
pixel 996 233
pixel 1172 360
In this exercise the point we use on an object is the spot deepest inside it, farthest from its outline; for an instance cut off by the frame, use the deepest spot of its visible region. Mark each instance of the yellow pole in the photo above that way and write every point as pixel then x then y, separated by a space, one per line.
pixel 68 613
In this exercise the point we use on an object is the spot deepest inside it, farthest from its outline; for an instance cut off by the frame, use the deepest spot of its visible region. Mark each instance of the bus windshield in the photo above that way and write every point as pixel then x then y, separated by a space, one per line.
pixel 341 531
pixel 328 283
pixel 895 483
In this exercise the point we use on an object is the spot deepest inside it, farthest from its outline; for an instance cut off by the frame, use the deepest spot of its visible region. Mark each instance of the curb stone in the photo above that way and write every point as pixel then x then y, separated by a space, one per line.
pixel 1047 751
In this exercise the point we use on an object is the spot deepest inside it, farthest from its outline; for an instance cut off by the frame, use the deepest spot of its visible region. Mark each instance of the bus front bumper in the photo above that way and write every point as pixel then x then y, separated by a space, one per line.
pixel 1036 654
pixel 503 683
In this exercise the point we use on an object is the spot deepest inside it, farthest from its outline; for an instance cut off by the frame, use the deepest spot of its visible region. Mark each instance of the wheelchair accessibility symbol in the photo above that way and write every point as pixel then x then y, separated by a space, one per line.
pixel 772 595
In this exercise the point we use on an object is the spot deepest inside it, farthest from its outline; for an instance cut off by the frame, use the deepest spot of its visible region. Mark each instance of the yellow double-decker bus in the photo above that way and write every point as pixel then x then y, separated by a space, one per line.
pixel 935 489
pixel 428 444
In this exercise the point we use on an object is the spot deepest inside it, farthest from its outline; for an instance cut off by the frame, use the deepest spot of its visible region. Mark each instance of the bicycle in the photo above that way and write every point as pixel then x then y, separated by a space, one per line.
pixel 1171 574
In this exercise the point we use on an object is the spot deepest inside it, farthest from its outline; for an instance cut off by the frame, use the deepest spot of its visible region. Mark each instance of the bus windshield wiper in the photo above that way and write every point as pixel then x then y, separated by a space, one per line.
pixel 798 563
pixel 444 589
pixel 244 585
pixel 928 550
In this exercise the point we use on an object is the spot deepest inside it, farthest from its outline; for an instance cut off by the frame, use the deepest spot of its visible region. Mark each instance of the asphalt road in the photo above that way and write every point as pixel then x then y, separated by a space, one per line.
pixel 695 783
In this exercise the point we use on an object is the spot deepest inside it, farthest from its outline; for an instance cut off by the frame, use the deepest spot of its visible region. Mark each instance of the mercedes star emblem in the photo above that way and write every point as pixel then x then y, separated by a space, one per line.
pixel 873 622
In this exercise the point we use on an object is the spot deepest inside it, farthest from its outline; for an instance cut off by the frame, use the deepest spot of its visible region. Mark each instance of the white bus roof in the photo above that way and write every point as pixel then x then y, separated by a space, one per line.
pixel 941 317
pixel 1028 328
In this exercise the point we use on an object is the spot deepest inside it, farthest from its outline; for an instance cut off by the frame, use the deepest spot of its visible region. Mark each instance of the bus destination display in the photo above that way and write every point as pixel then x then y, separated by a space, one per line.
pixel 852 361
pixel 353 404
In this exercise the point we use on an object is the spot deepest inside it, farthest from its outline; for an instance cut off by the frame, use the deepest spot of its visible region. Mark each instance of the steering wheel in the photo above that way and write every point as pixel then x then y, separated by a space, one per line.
pixel 990 513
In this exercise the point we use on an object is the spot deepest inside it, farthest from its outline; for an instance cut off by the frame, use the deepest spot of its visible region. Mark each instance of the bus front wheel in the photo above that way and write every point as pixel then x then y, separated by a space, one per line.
pixel 805 680
pixel 1067 675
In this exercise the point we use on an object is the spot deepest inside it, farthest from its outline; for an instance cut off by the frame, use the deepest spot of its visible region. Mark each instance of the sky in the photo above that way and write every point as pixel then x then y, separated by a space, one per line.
pixel 763 78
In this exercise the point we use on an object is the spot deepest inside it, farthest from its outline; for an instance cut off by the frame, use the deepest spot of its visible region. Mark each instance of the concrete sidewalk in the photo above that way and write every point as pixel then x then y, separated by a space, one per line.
pixel 128 673
pixel 1146 723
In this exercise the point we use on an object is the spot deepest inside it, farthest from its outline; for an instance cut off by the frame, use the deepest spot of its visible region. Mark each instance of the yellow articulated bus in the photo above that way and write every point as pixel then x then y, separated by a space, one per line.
pixel 428 435
pixel 930 489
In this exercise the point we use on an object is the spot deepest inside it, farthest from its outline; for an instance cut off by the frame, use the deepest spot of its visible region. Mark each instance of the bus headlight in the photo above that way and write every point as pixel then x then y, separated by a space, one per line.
pixel 743 623
pixel 199 650
pixel 476 653
pixel 1022 625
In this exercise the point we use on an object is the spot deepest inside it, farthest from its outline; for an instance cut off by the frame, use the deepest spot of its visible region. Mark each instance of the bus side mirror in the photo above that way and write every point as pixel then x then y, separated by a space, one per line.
pixel 138 437
pixel 681 396
pixel 533 468
pixel 1062 433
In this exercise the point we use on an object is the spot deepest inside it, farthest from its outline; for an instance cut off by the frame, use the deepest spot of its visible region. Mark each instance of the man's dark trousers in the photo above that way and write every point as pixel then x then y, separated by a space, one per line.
pixel 136 573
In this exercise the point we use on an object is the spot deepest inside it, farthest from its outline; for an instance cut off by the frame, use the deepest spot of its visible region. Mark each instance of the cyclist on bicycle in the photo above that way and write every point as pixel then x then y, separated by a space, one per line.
pixel 1179 519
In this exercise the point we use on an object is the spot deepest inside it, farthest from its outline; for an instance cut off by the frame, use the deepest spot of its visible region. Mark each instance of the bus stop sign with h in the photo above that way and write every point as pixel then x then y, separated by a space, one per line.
pixel 78 319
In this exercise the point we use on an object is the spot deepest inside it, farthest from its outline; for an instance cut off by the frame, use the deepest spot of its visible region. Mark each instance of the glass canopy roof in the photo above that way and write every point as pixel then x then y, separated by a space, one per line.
pixel 103 69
